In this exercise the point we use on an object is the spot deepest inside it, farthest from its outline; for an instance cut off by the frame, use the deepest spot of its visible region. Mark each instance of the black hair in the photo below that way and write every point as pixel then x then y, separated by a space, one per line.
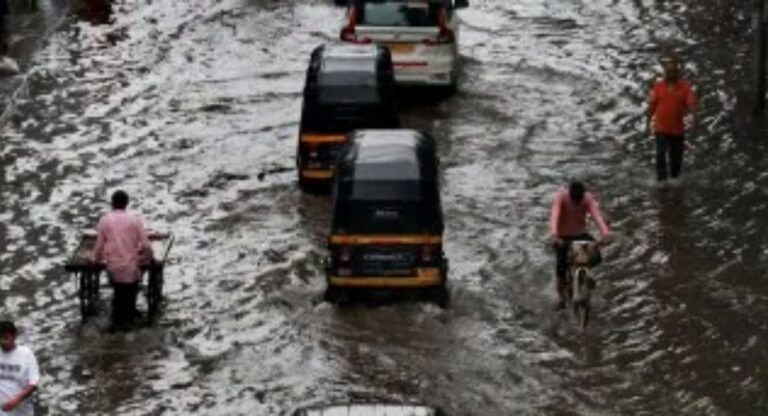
pixel 576 191
pixel 119 200
pixel 8 327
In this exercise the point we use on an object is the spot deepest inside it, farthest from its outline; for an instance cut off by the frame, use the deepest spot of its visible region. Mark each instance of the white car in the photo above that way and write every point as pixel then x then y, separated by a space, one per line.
pixel 421 34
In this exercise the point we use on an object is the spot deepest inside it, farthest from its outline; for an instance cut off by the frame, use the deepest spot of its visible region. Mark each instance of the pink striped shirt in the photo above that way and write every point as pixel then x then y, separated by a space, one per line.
pixel 569 220
pixel 122 243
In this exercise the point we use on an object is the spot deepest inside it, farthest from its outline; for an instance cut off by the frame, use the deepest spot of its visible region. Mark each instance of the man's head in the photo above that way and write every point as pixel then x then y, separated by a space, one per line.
pixel 119 200
pixel 671 67
pixel 576 191
pixel 8 334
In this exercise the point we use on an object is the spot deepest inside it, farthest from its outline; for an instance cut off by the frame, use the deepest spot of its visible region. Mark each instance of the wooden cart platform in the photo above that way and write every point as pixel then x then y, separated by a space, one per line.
pixel 88 274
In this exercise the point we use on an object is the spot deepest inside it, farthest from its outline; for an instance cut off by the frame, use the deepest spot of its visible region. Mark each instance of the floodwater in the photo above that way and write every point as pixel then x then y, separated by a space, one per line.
pixel 193 108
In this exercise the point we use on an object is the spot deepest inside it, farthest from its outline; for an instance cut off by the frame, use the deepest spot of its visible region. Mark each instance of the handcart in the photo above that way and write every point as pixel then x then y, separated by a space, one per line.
pixel 88 274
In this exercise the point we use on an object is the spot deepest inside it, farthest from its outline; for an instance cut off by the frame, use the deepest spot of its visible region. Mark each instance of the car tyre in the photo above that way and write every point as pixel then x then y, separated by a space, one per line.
pixel 303 185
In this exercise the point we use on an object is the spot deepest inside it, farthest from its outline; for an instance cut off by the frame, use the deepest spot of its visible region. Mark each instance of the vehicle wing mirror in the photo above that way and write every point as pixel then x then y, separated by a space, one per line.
pixel 460 4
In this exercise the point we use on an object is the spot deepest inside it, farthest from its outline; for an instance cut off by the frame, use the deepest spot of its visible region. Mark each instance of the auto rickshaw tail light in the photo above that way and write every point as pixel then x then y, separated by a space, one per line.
pixel 345 254
pixel 427 253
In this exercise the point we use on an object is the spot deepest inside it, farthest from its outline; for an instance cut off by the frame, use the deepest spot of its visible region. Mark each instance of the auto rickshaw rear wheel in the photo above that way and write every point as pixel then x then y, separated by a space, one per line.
pixel 439 295
pixel 336 295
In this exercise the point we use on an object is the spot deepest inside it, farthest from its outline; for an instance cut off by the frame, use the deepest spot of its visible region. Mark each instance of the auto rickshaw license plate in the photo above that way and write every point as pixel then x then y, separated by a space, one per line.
pixel 400 48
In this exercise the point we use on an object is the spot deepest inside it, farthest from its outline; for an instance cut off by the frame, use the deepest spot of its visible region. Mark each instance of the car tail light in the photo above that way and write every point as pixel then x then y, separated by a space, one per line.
pixel 345 254
pixel 445 36
pixel 348 33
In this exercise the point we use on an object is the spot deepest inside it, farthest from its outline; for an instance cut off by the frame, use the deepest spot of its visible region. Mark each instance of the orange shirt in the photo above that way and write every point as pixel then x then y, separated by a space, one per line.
pixel 669 103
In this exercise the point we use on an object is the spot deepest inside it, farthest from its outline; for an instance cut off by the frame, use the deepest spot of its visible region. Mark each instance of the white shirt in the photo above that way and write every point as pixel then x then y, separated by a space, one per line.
pixel 18 369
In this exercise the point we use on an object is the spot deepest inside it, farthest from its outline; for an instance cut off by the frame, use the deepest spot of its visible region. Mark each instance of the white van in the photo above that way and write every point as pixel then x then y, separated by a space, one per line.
pixel 421 34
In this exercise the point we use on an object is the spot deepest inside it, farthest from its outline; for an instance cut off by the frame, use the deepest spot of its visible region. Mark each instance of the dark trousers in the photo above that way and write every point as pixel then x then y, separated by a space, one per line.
pixel 561 253
pixel 124 302
pixel 669 147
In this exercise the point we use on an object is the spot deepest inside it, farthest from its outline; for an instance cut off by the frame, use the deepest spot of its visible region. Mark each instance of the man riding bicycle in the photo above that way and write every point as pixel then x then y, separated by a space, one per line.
pixel 568 222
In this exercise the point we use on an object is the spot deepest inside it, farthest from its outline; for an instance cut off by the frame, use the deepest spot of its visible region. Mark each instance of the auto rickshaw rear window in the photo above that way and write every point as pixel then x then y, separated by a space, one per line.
pixel 383 190
pixel 344 117
pixel 350 64
pixel 387 217
pixel 348 86
pixel 342 94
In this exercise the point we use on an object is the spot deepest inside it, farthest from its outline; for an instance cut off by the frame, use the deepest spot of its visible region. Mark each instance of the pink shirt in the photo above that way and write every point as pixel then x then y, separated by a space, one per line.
pixel 122 243
pixel 569 219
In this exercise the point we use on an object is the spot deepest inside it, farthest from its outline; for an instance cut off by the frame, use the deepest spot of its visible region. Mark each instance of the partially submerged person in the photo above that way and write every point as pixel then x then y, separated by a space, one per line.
pixel 668 103
pixel 123 246
pixel 97 11
pixel 19 373
pixel 568 222
pixel 8 65
pixel 4 11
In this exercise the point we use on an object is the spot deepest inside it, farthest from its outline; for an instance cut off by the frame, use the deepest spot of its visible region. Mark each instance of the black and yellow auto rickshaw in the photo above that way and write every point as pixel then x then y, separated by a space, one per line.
pixel 387 228
pixel 348 87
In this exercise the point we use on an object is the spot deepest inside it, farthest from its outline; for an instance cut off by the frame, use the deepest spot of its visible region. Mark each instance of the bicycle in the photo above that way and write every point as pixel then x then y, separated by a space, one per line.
pixel 579 283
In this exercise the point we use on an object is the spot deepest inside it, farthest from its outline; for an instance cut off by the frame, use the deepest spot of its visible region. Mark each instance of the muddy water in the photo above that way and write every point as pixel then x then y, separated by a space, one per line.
pixel 192 107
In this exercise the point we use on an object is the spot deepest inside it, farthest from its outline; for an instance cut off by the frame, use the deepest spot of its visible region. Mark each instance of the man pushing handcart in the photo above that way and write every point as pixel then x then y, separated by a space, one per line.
pixel 123 249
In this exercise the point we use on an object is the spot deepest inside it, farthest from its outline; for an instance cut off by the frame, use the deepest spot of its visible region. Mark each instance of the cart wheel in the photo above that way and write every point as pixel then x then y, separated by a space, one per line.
pixel 88 293
pixel 95 288
pixel 82 294
pixel 154 293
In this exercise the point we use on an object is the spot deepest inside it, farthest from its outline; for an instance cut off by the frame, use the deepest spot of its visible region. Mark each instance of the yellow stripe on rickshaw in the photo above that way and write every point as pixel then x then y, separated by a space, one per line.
pixel 425 278
pixel 317 173
pixel 323 138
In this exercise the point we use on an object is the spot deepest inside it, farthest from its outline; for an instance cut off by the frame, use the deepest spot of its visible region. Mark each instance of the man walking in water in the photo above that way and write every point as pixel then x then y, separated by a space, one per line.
pixel 7 65
pixel 19 374
pixel 567 223
pixel 668 102
pixel 123 245
pixel 3 12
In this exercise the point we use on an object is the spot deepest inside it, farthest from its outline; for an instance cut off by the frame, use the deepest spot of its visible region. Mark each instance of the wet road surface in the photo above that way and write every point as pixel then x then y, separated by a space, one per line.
pixel 194 108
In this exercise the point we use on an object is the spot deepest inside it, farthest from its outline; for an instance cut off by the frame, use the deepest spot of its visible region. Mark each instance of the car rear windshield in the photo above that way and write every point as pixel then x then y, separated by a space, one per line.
pixel 399 13
pixel 387 217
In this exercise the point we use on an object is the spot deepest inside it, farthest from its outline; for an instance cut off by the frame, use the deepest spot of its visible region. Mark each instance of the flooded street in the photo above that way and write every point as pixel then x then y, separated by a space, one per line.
pixel 193 108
